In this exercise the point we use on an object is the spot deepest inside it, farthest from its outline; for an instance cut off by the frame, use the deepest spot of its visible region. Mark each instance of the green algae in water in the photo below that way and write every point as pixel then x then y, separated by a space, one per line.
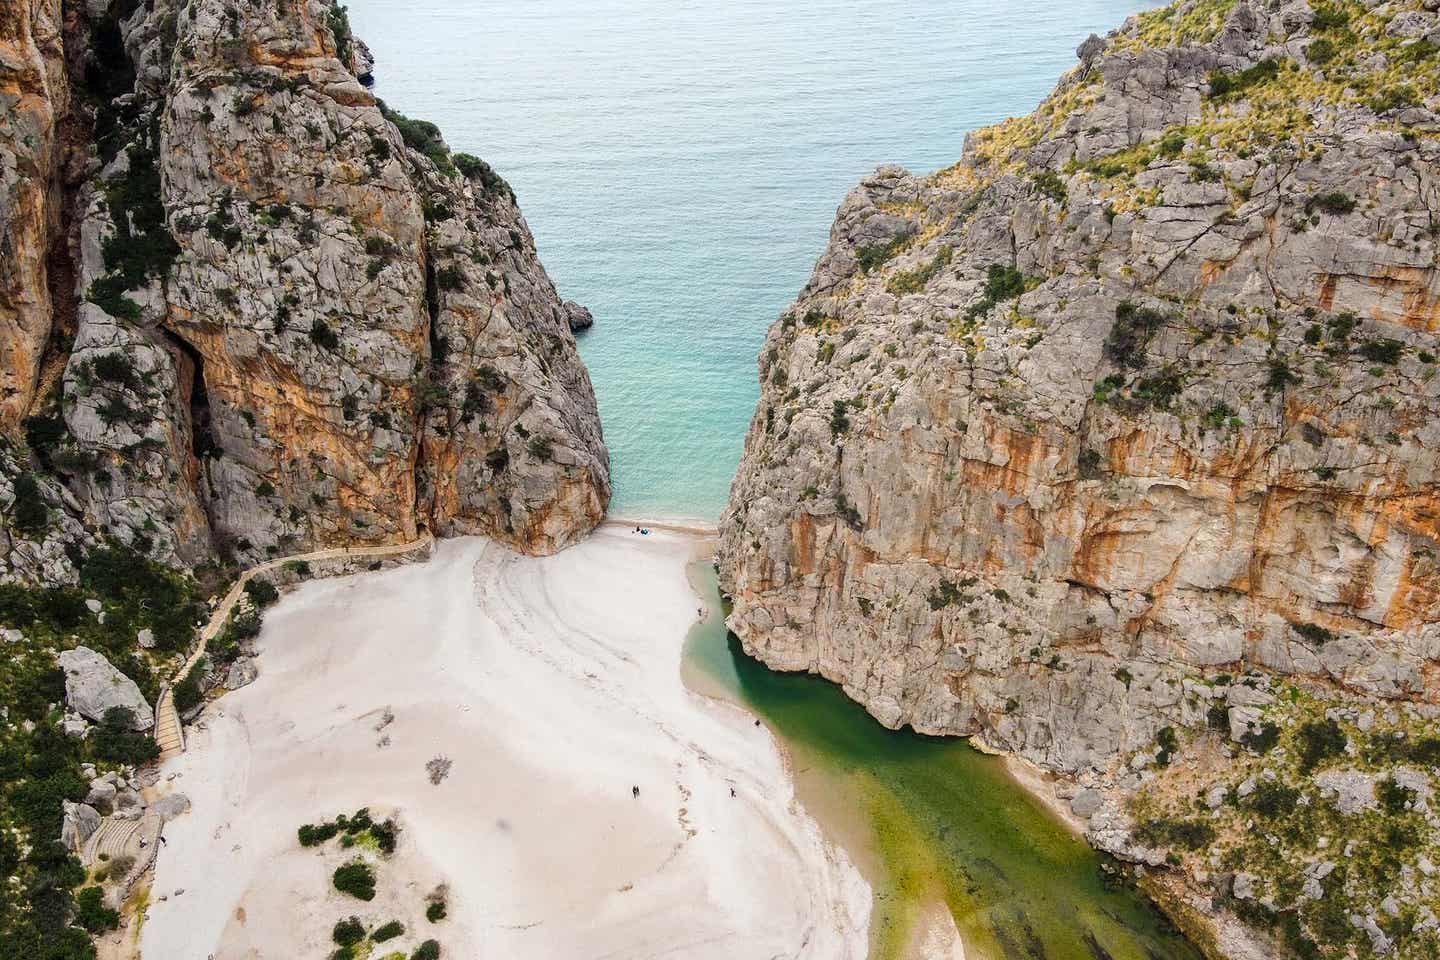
pixel 943 823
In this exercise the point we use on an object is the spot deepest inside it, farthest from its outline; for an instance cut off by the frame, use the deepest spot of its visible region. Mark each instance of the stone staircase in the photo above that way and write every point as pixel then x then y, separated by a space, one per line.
pixel 114 839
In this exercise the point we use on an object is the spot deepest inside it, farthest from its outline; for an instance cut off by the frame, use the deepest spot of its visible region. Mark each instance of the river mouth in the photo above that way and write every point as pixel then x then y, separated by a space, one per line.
pixel 945 836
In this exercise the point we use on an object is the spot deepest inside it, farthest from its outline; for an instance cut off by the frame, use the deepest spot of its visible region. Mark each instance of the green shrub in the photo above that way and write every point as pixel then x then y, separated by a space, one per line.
pixel 389 931
pixel 1168 743
pixel 1397 97
pixel 1186 834
pixel 1319 740
pixel 1393 796
pixel 429 950
pixel 1264 739
pixel 1313 632
pixel 1135 326
pixel 261 591
pixel 1329 17
pixel 44 432
pixel 322 335
pixel 312 834
pixel 384 835
pixel 188 692
pixel 29 515
pixel 1051 185
pixel 913 281
pixel 435 912
pixel 1334 203
pixel 348 932
pixel 473 168
pixel 1273 798
pixel 1382 350
pixel 423 137
pixel 1322 50
pixel 839 422
pixel 1233 84
pixel 872 256
pixel 355 878
pixel 91 912
pixel 115 740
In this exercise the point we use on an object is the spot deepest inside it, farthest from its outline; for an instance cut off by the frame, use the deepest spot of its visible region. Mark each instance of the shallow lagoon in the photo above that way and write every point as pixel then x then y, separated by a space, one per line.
pixel 933 822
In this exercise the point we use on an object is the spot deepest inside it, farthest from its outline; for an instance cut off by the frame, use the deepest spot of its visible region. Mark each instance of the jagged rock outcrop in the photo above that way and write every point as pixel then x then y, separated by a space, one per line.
pixel 304 320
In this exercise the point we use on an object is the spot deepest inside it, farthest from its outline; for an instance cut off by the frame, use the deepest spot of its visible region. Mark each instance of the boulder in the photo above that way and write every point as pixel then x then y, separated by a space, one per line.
pixel 241 673
pixel 579 317
pixel 80 821
pixel 102 791
pixel 93 686
pixel 172 805
pixel 1086 803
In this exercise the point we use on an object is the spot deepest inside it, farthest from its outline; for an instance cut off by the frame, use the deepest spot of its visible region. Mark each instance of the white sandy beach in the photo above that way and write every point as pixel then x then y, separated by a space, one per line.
pixel 554 687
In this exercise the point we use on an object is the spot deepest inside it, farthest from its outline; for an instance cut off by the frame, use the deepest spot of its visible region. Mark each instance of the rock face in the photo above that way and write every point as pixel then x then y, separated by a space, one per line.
pixel 33 95
pixel 79 824
pixel 93 686
pixel 304 321
pixel 1140 391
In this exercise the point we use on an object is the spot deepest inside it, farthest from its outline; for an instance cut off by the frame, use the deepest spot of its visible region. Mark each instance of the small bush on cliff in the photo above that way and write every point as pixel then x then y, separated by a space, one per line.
pixel 1135 326
pixel 473 168
pixel 1233 84
pixel 1319 740
pixel 872 256
pixel 1186 834
pixel 913 281
pixel 1001 283
pixel 322 335
pixel 29 515
pixel 1382 350
pixel 421 136
pixel 1335 203
pixel 313 834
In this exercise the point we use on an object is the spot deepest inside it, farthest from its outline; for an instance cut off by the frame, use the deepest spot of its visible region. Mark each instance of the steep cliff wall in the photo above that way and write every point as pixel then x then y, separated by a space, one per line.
pixel 1137 396
pixel 304 321
pixel 33 95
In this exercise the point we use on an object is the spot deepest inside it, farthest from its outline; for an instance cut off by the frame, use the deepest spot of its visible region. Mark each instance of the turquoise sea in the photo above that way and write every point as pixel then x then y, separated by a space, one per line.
pixel 680 162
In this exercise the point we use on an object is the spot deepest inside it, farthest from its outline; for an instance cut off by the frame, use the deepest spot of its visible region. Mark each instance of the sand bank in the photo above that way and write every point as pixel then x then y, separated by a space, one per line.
pixel 553 686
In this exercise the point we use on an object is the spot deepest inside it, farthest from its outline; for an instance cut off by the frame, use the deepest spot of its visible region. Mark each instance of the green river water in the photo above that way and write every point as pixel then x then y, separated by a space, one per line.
pixel 933 823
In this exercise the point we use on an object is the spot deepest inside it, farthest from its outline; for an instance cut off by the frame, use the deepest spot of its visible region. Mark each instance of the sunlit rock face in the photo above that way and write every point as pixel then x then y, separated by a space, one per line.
pixel 302 320
pixel 1139 392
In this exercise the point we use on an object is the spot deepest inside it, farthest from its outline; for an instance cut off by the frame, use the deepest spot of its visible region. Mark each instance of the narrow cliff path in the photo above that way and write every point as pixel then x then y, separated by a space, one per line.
pixel 168 731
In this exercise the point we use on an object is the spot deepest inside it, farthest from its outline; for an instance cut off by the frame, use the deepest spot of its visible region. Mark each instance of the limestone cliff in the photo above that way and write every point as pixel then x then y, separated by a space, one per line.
pixel 1138 395
pixel 302 319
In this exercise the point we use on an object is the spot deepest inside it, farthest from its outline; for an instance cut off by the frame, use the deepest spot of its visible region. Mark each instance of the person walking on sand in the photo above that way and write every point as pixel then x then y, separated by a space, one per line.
pixel 635 792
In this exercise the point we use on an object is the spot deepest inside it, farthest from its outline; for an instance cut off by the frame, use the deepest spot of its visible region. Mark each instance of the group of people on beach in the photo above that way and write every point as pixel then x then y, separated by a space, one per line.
pixel 643 531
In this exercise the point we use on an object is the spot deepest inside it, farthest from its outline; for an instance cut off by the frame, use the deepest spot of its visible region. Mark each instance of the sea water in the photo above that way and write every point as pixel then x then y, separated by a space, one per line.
pixel 680 163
